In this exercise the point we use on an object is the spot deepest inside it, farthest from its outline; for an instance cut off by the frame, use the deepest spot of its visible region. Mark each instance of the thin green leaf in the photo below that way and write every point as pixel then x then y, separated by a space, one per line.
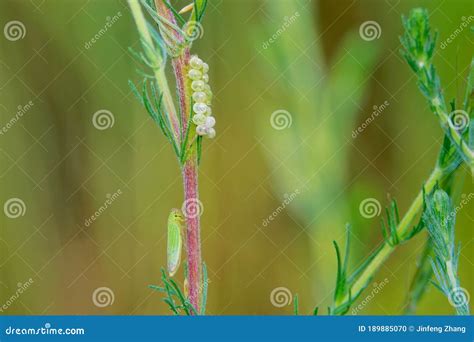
pixel 199 9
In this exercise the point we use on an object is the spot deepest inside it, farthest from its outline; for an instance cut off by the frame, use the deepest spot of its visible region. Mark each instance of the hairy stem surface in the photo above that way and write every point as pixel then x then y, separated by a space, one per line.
pixel 189 169
pixel 193 238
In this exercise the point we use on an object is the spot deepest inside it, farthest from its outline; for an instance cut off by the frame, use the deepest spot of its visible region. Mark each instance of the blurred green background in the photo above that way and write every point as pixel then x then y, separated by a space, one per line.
pixel 318 69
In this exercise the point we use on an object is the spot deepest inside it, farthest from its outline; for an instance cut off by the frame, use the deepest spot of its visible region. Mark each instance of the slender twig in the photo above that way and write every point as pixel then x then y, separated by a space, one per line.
pixel 419 44
pixel 189 167
pixel 403 230
pixel 159 73
pixel 164 37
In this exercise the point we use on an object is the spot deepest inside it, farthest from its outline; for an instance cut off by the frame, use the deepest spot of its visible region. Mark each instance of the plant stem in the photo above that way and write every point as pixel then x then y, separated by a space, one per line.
pixel 179 63
pixel 189 167
pixel 402 230
pixel 455 136
pixel 193 238
pixel 162 82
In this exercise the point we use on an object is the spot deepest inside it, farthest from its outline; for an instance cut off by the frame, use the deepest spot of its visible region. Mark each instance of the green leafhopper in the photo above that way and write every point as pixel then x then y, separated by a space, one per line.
pixel 175 242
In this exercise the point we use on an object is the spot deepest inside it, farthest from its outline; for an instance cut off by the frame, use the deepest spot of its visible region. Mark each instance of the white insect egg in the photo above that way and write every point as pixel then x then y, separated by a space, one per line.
pixel 199 97
pixel 211 133
pixel 210 122
pixel 205 78
pixel 205 68
pixel 198 85
pixel 200 108
pixel 196 62
pixel 194 74
pixel 201 130
pixel 199 119
pixel 209 111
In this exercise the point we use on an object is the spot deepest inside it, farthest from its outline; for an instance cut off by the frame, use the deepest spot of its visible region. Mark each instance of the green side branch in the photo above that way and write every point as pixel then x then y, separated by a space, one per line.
pixel 418 43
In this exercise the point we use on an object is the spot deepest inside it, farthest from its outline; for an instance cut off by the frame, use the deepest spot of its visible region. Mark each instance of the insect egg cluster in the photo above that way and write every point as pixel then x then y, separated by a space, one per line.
pixel 202 96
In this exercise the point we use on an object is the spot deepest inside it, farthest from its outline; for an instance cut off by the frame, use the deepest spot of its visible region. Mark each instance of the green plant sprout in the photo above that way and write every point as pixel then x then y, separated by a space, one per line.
pixel 418 43
pixel 169 36
pixel 178 301
pixel 439 218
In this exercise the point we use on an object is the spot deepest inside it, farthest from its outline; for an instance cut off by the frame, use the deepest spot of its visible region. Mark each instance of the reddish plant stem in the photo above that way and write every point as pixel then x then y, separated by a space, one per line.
pixel 193 238
pixel 189 170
